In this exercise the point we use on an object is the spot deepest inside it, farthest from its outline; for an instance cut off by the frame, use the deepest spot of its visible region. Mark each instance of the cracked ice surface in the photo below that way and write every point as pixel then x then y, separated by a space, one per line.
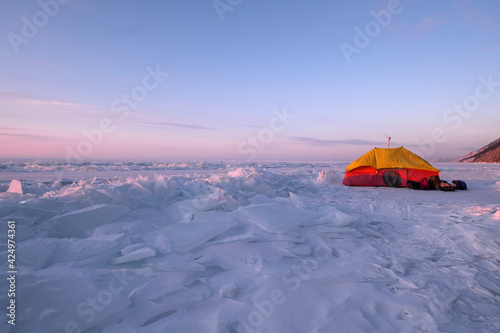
pixel 275 247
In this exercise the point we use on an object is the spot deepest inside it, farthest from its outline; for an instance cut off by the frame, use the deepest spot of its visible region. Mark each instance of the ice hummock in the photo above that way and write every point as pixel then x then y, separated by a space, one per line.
pixel 234 247
pixel 15 187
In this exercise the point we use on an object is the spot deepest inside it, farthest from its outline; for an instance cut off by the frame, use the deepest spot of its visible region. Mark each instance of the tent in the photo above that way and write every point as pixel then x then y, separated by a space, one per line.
pixel 387 167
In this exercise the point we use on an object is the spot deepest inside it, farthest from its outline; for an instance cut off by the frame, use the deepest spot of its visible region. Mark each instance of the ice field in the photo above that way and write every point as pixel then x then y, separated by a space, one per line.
pixel 233 247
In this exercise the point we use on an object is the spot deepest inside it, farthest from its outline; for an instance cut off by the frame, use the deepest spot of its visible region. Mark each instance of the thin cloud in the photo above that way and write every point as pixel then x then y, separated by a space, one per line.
pixel 322 142
pixel 31 137
pixel 476 14
pixel 188 126
pixel 250 126
pixel 13 94
pixel 20 98
pixel 40 103
pixel 164 125
pixel 4 115
pixel 426 25
pixel 23 134
pixel 488 24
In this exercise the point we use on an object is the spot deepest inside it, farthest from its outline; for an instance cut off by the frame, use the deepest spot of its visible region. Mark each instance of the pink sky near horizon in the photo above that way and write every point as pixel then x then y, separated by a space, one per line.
pixel 65 130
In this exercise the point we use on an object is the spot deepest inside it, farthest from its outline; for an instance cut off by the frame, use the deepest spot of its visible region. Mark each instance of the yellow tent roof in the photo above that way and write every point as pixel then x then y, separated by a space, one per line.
pixel 391 158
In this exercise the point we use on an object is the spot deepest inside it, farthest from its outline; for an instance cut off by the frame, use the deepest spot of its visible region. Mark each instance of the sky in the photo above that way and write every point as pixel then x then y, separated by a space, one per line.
pixel 247 80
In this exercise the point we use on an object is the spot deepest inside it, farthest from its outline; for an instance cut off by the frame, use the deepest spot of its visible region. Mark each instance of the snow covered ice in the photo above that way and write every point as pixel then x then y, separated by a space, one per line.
pixel 234 247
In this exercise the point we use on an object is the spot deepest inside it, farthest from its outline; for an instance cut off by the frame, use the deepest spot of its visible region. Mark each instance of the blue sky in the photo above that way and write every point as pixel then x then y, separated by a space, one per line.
pixel 249 80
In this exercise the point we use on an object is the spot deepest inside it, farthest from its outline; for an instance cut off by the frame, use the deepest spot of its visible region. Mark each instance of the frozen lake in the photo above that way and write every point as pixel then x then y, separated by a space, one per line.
pixel 235 247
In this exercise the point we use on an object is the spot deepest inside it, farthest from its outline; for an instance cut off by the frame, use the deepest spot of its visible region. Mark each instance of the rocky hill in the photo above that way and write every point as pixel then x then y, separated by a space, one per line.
pixel 488 154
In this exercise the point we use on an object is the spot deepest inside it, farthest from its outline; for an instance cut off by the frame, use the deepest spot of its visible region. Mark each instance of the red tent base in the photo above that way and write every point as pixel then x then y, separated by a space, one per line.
pixel 369 176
